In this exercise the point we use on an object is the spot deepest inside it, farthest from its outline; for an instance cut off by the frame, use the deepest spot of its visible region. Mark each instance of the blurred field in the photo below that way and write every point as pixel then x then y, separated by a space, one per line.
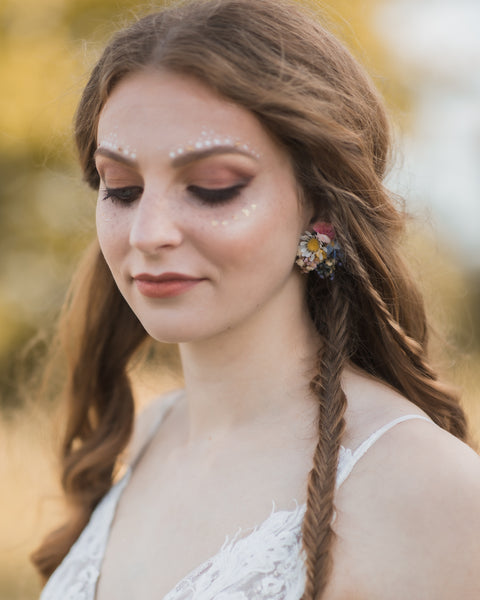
pixel 29 504
pixel 46 219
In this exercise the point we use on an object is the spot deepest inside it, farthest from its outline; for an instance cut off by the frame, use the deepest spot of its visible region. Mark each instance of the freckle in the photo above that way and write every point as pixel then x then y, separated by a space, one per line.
pixel 246 212
pixel 190 148
pixel 214 223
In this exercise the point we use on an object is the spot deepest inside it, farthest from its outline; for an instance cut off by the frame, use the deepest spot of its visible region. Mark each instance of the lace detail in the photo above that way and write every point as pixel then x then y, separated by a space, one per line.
pixel 267 563
pixel 76 577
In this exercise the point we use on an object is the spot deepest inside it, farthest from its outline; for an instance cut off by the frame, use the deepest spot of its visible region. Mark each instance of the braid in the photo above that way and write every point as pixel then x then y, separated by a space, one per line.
pixel 318 535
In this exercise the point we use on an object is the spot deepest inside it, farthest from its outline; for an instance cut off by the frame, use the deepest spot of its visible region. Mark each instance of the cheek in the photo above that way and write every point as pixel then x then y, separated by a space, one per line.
pixel 234 219
pixel 254 237
pixel 112 231
pixel 227 217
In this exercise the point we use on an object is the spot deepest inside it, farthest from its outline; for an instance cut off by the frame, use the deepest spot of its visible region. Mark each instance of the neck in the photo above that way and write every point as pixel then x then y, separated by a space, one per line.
pixel 252 373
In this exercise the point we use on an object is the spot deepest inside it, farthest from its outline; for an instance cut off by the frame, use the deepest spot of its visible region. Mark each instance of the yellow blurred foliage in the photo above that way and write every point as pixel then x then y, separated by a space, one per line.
pixel 37 74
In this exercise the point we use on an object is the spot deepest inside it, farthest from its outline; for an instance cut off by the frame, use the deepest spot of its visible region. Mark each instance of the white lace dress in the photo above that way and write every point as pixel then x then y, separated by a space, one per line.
pixel 266 564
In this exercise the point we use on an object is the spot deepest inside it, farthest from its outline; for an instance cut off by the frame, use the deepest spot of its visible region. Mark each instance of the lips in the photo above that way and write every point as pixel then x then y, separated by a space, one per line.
pixel 166 285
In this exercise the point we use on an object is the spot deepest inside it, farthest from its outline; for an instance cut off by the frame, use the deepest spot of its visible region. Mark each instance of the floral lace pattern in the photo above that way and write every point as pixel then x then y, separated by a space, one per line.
pixel 265 564
pixel 76 577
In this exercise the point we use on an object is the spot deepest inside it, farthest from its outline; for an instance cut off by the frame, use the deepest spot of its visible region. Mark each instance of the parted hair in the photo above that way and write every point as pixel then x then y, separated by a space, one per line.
pixel 276 60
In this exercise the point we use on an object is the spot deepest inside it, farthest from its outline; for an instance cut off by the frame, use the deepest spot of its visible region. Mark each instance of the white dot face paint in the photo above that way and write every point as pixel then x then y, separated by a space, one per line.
pixel 208 145
pixel 243 214
pixel 210 139
pixel 110 141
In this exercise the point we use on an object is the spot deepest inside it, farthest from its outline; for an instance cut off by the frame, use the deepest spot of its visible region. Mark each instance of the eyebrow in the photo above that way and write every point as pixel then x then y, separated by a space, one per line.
pixel 188 157
pixel 193 155
pixel 117 156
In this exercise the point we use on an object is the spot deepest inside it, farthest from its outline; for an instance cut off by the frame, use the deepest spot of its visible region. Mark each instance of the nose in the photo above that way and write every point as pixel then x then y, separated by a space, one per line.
pixel 155 224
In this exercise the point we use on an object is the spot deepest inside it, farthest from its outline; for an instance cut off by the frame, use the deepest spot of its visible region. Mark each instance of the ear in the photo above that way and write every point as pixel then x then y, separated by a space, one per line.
pixel 309 216
pixel 316 216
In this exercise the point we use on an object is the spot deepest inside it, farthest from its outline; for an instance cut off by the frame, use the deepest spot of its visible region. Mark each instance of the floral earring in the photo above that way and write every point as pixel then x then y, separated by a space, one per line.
pixel 319 251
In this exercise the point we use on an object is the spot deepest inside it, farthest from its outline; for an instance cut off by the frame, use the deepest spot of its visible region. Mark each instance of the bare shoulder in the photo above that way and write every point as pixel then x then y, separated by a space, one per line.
pixel 409 516
pixel 371 404
pixel 147 421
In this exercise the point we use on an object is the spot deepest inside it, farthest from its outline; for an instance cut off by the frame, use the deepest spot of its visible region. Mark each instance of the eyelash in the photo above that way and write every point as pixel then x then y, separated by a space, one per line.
pixel 211 196
pixel 123 195
pixel 215 196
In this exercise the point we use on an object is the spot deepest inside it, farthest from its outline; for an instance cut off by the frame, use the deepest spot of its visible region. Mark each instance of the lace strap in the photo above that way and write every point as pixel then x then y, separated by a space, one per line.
pixel 352 458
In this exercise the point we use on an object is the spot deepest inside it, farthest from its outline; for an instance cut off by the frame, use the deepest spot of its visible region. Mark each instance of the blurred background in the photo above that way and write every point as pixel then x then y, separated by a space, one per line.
pixel 424 55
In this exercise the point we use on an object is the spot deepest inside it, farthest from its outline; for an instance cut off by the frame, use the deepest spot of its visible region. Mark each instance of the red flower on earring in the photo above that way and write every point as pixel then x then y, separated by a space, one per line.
pixel 325 229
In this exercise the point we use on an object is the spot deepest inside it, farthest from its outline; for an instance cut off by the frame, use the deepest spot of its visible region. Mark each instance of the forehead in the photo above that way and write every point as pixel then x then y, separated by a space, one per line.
pixel 164 109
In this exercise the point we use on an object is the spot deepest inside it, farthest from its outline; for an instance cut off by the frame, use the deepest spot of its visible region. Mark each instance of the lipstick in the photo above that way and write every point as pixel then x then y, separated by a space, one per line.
pixel 166 285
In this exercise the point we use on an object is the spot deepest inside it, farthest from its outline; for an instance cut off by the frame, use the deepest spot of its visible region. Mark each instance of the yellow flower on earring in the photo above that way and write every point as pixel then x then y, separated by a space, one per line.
pixel 313 245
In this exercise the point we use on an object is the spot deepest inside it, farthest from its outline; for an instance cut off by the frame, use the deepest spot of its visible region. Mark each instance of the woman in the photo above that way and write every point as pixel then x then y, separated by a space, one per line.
pixel 238 151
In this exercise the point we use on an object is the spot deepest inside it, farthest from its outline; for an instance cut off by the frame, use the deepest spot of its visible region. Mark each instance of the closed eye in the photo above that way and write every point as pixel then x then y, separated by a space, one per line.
pixel 123 195
pixel 216 195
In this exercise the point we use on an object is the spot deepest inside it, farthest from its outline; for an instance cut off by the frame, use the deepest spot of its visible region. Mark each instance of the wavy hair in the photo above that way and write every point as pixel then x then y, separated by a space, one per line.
pixel 277 61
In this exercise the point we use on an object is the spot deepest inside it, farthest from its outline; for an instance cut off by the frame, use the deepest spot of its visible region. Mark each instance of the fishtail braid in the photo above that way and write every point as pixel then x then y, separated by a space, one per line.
pixel 318 534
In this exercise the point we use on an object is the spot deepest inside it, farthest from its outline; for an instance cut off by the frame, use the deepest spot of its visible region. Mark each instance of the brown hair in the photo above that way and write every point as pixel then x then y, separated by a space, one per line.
pixel 278 62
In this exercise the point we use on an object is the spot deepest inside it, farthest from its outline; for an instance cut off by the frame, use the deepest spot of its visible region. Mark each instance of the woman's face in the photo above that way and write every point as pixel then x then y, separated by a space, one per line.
pixel 198 215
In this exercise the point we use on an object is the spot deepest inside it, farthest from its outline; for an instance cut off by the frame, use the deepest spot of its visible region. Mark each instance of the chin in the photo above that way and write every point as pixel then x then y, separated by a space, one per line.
pixel 175 334
pixel 169 335
pixel 187 331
